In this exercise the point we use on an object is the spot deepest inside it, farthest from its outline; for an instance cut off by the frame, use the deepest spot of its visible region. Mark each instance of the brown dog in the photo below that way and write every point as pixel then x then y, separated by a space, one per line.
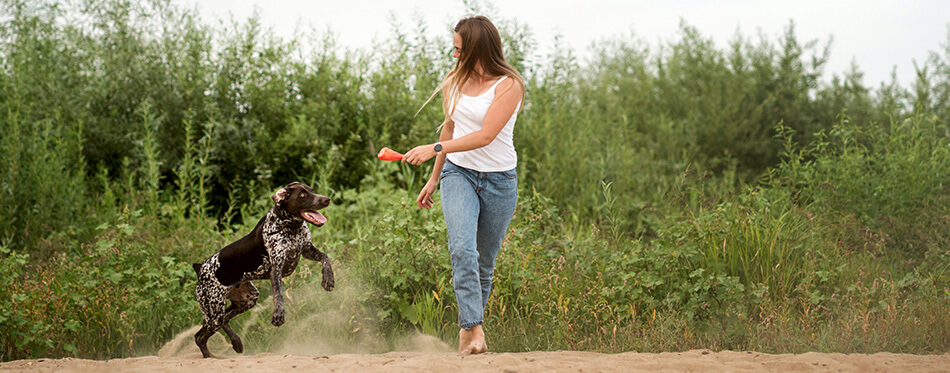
pixel 270 251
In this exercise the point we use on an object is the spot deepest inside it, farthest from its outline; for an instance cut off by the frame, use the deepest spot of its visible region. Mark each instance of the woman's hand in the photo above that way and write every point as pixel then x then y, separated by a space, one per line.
pixel 425 196
pixel 419 154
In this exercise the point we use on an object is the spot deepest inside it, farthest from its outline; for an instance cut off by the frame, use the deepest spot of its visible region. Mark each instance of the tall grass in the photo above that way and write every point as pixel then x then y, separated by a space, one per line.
pixel 673 196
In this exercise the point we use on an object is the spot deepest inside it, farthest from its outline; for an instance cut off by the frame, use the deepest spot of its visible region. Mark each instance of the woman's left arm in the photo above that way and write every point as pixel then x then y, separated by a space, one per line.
pixel 507 96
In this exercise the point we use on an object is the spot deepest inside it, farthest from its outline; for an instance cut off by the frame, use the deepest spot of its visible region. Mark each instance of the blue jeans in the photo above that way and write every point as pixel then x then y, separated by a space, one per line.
pixel 477 207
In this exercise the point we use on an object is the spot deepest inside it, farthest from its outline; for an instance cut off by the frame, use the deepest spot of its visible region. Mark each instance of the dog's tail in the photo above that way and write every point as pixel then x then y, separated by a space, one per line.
pixel 197 267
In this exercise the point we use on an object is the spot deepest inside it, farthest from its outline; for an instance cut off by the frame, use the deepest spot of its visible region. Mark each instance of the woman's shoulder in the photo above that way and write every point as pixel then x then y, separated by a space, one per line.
pixel 508 84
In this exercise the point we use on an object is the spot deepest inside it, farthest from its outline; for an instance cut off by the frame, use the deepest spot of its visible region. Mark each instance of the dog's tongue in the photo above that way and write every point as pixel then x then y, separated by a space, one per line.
pixel 314 217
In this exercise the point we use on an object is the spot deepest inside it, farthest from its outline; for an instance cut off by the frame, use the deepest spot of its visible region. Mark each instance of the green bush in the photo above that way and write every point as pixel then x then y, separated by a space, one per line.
pixel 118 296
pixel 891 180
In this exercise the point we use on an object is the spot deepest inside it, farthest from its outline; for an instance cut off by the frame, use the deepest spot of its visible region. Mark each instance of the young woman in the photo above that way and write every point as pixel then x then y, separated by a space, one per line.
pixel 475 160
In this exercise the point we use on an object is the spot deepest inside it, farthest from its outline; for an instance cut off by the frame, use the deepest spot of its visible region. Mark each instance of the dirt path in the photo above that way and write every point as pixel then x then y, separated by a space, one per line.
pixel 557 361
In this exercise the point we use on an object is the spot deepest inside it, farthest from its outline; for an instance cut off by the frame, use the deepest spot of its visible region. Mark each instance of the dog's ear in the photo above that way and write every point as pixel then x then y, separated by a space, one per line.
pixel 280 195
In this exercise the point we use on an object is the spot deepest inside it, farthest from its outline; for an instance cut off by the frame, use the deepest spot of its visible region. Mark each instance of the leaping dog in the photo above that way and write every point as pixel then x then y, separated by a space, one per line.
pixel 270 251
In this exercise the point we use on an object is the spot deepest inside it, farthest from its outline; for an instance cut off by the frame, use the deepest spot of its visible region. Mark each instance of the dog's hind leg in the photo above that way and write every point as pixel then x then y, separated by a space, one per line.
pixel 243 296
pixel 213 319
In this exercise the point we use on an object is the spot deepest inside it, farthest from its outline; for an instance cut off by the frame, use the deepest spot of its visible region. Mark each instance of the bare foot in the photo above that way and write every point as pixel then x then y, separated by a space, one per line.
pixel 474 341
pixel 465 337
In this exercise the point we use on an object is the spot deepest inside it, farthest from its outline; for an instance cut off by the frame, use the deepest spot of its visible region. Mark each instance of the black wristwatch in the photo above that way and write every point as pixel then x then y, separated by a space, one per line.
pixel 437 148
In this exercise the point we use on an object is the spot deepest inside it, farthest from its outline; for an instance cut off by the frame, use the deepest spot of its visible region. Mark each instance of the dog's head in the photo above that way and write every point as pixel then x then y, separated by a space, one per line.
pixel 298 201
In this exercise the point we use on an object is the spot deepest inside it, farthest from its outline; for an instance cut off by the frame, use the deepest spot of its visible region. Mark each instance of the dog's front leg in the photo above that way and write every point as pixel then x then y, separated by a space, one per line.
pixel 275 278
pixel 311 252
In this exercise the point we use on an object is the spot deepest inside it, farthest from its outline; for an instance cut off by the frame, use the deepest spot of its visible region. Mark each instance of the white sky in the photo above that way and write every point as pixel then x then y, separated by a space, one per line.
pixel 877 34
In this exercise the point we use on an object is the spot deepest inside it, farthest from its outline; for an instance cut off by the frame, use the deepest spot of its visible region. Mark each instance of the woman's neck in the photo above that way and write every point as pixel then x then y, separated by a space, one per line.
pixel 479 74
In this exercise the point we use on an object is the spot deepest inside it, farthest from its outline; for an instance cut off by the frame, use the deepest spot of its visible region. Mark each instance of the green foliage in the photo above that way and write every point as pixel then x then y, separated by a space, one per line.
pixel 891 180
pixel 410 243
pixel 116 296
pixel 41 161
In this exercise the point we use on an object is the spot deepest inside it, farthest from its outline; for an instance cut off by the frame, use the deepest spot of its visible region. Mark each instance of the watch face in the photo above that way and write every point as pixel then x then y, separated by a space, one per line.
pixel 438 148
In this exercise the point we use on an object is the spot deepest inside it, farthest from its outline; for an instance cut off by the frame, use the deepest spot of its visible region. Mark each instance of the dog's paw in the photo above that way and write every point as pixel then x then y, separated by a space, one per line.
pixel 328 282
pixel 238 346
pixel 277 319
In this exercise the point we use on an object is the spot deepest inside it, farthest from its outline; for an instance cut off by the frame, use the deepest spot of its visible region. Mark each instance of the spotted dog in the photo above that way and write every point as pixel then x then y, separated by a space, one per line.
pixel 270 251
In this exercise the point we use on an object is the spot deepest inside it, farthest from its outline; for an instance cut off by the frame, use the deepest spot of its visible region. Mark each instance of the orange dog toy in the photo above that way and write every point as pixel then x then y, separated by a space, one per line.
pixel 387 154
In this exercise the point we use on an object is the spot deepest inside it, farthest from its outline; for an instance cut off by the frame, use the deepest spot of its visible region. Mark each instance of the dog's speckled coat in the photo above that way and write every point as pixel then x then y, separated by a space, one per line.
pixel 271 251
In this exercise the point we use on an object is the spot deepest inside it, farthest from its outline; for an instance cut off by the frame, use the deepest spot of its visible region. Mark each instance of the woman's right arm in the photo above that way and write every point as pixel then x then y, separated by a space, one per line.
pixel 425 196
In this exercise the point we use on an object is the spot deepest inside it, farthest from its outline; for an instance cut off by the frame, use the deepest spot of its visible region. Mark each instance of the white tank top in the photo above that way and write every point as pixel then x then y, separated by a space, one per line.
pixel 500 154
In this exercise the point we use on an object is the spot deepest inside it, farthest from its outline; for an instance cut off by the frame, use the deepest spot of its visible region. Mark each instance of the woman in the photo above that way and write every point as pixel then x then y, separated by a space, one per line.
pixel 475 160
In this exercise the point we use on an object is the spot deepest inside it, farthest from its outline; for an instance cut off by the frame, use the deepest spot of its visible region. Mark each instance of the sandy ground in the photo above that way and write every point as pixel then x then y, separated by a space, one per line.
pixel 425 353
pixel 556 361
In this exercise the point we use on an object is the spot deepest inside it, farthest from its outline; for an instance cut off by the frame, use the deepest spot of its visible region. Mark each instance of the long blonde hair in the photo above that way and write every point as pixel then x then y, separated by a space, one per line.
pixel 481 45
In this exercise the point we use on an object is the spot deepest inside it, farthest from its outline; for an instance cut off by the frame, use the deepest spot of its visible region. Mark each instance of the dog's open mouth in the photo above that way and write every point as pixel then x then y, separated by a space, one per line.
pixel 314 217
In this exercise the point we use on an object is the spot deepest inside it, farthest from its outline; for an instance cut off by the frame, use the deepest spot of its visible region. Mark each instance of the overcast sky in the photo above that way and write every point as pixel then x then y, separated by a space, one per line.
pixel 877 34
